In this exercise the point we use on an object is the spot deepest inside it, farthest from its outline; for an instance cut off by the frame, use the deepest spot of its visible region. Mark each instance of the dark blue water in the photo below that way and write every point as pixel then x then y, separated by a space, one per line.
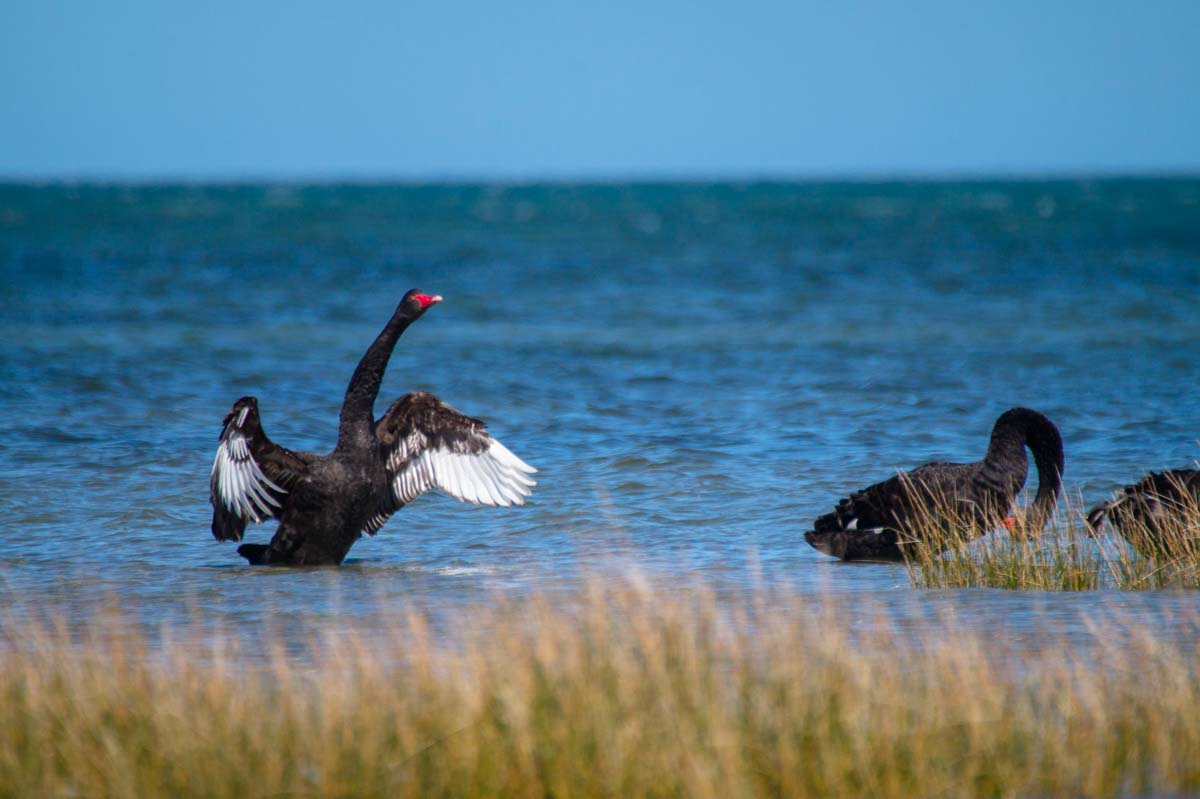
pixel 698 370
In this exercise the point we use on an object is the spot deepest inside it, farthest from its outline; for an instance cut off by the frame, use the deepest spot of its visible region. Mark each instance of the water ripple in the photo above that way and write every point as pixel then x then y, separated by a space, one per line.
pixel 697 370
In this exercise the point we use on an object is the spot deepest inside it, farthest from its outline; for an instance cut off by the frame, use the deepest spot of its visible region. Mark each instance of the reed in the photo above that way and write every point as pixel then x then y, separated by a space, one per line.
pixel 954 552
pixel 1164 551
pixel 623 690
pixel 948 546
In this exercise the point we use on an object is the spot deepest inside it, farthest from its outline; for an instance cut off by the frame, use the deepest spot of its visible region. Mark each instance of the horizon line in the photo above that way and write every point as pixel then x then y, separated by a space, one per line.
pixel 585 177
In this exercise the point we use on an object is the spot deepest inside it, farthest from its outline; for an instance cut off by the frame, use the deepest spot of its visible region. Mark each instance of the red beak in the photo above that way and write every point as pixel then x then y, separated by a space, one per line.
pixel 427 300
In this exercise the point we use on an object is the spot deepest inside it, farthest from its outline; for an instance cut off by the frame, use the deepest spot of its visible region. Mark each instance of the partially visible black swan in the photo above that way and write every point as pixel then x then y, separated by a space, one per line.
pixel 884 521
pixel 1158 515
pixel 325 502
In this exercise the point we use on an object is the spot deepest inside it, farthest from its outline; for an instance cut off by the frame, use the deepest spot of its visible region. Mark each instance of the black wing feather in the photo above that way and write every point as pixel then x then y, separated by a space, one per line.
pixel 893 504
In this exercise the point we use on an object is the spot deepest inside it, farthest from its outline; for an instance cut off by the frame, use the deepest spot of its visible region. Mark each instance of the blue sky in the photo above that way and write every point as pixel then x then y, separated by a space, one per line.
pixel 154 88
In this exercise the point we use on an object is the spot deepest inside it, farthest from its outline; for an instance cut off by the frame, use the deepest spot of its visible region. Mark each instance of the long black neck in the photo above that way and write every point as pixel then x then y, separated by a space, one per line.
pixel 356 426
pixel 1019 428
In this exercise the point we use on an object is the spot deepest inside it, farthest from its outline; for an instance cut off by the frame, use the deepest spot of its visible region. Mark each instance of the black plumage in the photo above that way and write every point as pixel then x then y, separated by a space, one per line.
pixel 885 520
pixel 252 457
pixel 325 502
pixel 1159 515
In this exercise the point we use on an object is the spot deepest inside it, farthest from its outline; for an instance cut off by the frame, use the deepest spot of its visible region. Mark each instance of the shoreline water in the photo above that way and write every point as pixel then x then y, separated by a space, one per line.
pixel 698 370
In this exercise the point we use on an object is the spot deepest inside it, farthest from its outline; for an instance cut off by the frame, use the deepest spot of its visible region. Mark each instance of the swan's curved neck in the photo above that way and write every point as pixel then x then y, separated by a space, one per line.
pixel 356 425
pixel 1020 428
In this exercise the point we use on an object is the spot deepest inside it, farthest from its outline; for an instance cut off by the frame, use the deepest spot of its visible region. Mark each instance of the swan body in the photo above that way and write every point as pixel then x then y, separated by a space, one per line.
pixel 882 521
pixel 324 503
pixel 1153 513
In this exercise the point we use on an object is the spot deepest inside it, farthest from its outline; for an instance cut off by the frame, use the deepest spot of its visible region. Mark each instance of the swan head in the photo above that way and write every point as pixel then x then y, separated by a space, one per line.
pixel 419 301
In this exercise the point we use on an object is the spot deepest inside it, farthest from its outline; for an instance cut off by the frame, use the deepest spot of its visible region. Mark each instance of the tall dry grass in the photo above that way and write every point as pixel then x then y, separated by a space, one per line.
pixel 951 551
pixel 623 691
pixel 1160 516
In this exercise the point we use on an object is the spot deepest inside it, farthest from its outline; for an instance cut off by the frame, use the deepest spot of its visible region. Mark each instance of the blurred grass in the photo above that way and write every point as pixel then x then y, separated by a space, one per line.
pixel 623 690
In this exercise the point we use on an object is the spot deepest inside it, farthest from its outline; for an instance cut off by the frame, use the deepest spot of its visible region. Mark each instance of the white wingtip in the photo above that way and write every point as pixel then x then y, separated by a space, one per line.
pixel 506 456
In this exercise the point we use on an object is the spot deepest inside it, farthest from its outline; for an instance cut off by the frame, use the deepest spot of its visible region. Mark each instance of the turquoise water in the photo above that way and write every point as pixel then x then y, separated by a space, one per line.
pixel 698 370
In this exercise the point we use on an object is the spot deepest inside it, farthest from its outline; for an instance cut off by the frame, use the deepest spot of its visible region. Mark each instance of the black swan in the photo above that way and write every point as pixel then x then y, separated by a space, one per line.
pixel 1158 515
pixel 325 502
pixel 881 522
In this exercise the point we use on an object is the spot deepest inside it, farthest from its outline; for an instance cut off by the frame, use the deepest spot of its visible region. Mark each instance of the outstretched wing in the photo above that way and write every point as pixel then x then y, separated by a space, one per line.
pixel 427 444
pixel 250 474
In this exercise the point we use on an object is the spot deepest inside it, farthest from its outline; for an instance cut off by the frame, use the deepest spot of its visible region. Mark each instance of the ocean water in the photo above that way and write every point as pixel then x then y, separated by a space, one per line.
pixel 698 371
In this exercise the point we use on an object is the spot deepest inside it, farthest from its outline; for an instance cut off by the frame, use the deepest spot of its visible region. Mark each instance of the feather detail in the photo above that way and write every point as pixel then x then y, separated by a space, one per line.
pixel 428 445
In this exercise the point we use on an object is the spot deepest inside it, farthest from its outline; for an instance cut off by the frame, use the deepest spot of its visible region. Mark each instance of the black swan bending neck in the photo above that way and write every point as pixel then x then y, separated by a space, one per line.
pixel 1019 428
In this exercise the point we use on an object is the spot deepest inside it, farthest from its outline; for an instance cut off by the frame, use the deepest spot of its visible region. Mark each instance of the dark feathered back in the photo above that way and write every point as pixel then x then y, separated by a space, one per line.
pixel 1150 512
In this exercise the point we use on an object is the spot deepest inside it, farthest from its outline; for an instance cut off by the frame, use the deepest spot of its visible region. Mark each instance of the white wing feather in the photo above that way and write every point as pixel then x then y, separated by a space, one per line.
pixel 241 485
pixel 494 476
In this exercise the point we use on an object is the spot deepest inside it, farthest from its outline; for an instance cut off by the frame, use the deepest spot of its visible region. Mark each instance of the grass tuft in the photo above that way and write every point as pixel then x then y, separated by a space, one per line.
pixel 946 548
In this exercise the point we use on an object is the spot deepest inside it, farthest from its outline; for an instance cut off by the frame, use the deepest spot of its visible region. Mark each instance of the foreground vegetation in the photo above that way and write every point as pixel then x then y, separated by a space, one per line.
pixel 620 691
pixel 1063 557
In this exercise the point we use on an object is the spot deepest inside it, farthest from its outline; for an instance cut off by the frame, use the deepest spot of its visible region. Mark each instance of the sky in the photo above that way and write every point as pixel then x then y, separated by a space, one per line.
pixel 152 89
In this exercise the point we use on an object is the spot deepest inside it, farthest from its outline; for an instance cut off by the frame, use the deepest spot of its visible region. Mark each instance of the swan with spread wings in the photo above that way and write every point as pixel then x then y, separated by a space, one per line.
pixel 324 503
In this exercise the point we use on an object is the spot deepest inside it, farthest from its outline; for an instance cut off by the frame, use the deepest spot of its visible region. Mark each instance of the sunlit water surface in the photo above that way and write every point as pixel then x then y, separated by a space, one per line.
pixel 697 371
